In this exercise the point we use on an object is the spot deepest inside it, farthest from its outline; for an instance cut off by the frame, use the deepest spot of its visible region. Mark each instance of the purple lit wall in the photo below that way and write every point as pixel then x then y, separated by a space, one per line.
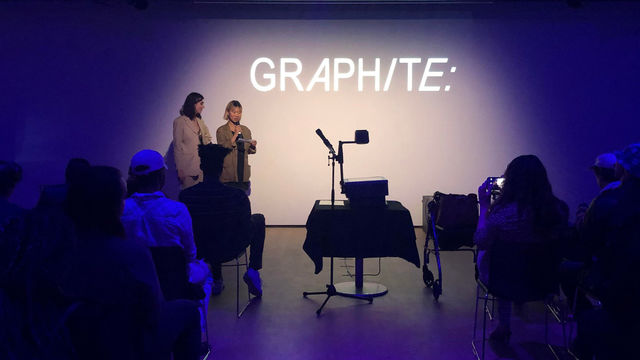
pixel 88 80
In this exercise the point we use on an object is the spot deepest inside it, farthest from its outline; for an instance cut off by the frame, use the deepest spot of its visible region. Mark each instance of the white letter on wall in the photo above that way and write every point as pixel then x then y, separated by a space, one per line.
pixel 362 73
pixel 427 73
pixel 392 68
pixel 317 78
pixel 337 75
pixel 270 77
pixel 293 75
pixel 410 62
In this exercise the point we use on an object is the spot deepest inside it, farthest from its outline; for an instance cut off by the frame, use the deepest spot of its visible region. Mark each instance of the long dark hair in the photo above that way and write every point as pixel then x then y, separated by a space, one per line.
pixel 189 107
pixel 526 184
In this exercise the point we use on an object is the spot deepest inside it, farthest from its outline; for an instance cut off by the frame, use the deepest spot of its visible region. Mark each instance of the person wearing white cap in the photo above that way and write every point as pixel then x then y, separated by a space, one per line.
pixel 607 177
pixel 154 220
pixel 604 169
pixel 611 234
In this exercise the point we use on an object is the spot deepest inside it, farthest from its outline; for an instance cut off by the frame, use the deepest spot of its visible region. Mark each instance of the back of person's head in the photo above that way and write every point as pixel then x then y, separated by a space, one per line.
pixel 526 184
pixel 76 168
pixel 10 176
pixel 146 172
pixel 604 169
pixel 629 159
pixel 189 107
pixel 212 159
pixel 95 201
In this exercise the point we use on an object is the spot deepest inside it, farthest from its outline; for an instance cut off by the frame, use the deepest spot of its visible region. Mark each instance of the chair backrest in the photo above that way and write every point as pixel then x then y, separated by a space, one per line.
pixel 106 332
pixel 219 237
pixel 171 268
pixel 521 271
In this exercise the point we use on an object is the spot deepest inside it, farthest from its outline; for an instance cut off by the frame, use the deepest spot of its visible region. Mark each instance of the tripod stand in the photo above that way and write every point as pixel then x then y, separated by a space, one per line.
pixel 331 289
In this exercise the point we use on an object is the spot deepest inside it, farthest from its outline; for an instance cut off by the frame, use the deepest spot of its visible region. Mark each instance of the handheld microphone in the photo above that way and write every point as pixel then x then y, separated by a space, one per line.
pixel 325 141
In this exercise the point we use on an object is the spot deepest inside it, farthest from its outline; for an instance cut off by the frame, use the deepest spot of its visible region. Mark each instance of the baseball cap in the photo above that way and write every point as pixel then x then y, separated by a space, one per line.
pixel 145 162
pixel 605 161
pixel 629 158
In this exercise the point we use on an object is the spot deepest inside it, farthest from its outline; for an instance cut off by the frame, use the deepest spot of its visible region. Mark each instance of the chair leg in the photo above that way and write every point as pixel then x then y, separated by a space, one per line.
pixel 485 312
pixel 475 324
pixel 246 268
pixel 205 356
pixel 560 317
pixel 239 312
pixel 484 324
pixel 237 287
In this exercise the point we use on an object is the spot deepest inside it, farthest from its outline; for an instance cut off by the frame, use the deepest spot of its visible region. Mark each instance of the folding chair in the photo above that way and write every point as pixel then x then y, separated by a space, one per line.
pixel 518 272
pixel 238 264
pixel 171 267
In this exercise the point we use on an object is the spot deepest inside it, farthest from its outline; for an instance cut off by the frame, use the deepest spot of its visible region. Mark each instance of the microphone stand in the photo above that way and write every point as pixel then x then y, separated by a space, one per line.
pixel 331 289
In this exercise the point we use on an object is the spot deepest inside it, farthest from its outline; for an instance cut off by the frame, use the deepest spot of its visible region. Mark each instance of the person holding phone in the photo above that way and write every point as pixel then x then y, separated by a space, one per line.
pixel 526 210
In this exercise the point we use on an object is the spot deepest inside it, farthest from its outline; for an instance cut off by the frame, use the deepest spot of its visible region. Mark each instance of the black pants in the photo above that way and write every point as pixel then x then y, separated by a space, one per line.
pixel 256 244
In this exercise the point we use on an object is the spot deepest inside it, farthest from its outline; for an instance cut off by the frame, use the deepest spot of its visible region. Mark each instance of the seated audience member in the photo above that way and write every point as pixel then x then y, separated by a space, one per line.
pixel 54 196
pixel 607 178
pixel 11 215
pixel 152 219
pixel 604 170
pixel 611 233
pixel 122 314
pixel 222 220
pixel 525 211
pixel 11 220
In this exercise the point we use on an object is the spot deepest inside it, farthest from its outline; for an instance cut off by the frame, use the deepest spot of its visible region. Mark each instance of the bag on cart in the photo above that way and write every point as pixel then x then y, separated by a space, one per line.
pixel 455 217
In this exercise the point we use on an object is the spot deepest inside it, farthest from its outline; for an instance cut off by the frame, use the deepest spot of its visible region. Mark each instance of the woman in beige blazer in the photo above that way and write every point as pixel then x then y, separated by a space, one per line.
pixel 236 169
pixel 189 131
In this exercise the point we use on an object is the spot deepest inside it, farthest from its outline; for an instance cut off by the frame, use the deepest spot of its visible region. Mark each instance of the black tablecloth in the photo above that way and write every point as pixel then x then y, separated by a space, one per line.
pixel 360 232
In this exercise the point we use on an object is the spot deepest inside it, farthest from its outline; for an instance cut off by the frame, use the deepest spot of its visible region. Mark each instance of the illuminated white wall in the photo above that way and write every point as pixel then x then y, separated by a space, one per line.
pixel 107 84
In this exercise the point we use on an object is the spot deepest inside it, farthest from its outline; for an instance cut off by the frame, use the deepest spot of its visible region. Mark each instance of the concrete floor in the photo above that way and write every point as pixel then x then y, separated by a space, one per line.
pixel 406 323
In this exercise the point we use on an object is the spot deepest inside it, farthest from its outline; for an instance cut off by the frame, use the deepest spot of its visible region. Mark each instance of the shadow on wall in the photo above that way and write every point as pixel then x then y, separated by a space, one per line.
pixel 171 184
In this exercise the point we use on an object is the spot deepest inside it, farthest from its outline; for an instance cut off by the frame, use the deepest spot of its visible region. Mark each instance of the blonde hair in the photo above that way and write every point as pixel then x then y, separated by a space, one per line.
pixel 232 103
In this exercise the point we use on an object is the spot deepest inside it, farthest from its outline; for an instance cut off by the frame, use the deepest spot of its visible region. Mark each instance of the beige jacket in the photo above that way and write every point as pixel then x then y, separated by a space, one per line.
pixel 185 145
pixel 230 167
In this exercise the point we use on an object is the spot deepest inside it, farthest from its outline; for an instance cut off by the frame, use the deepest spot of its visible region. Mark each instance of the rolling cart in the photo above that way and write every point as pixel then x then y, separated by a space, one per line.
pixel 452 220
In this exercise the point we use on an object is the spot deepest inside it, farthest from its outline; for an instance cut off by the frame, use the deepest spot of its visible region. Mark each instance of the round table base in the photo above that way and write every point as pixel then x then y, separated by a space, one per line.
pixel 368 288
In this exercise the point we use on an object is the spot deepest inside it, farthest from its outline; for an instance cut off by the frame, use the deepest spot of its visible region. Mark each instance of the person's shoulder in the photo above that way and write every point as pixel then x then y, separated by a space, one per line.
pixel 129 203
pixel 608 198
pixel 191 191
pixel 222 127
pixel 180 119
pixel 236 193
pixel 174 206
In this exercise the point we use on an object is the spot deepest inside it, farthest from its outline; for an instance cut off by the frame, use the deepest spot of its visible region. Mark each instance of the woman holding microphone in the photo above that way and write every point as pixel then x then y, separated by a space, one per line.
pixel 236 169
